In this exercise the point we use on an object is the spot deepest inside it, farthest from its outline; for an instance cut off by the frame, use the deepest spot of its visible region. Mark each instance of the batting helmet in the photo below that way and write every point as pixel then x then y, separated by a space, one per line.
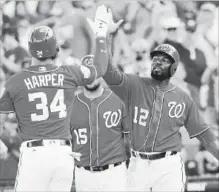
pixel 87 60
pixel 42 43
pixel 171 52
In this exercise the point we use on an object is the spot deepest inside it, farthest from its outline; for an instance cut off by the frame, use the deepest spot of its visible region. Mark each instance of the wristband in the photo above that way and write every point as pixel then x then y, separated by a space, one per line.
pixel 101 29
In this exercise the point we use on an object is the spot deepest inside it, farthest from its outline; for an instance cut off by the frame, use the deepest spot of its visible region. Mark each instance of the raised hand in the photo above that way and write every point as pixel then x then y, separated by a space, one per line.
pixel 103 22
pixel 113 27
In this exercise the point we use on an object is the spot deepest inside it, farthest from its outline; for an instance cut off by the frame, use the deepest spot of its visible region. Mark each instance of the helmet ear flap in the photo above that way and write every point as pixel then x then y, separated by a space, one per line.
pixel 57 50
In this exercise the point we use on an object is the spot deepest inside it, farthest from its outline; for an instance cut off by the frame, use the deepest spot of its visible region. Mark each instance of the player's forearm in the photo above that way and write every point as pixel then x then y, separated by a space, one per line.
pixel 210 142
pixel 94 66
pixel 109 41
pixel 101 56
pixel 213 148
pixel 112 75
pixel 127 142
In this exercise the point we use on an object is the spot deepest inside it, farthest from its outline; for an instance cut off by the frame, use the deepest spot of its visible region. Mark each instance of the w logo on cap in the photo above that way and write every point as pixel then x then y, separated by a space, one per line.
pixel 166 48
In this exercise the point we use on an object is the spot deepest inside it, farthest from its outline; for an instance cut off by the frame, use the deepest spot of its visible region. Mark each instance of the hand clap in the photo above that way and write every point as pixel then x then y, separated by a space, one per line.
pixel 103 22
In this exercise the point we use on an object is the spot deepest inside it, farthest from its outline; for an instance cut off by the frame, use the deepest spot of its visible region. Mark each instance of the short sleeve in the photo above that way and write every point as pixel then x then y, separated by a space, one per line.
pixel 195 123
pixel 81 75
pixel 6 102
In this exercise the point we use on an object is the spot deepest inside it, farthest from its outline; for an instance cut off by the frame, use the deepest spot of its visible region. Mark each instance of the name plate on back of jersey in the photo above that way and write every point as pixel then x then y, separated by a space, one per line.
pixel 44 80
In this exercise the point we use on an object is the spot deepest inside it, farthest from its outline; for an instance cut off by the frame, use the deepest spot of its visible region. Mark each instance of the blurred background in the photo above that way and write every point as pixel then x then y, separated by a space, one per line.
pixel 190 26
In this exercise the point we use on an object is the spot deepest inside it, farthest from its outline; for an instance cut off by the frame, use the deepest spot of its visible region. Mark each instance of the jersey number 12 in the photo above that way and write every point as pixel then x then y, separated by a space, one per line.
pixel 57 105
pixel 140 116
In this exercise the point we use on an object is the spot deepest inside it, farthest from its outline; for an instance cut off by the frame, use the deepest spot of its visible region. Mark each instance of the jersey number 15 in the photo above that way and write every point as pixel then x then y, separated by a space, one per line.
pixel 57 105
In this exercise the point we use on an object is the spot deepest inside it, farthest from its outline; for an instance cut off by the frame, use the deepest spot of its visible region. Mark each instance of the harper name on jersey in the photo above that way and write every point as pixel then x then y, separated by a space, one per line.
pixel 44 80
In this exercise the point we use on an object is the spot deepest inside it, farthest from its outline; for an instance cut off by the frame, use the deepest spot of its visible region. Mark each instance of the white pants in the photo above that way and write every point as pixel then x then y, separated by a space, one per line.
pixel 112 179
pixel 165 174
pixel 45 168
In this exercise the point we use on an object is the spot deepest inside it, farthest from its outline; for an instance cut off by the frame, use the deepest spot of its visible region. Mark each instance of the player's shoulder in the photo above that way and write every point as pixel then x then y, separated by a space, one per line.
pixel 113 96
pixel 15 79
pixel 146 81
pixel 132 76
pixel 111 93
pixel 135 79
pixel 69 68
pixel 66 69
pixel 182 92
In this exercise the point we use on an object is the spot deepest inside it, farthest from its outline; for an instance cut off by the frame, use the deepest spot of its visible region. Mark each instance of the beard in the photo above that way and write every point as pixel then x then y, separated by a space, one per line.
pixel 160 76
pixel 93 88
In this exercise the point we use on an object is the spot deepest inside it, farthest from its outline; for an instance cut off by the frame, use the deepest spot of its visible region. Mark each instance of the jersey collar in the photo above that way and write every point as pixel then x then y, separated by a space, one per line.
pixel 106 93
pixel 167 87
pixel 41 68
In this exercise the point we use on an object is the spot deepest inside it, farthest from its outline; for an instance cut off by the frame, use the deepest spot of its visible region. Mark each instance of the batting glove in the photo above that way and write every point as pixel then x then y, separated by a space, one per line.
pixel 101 21
pixel 104 23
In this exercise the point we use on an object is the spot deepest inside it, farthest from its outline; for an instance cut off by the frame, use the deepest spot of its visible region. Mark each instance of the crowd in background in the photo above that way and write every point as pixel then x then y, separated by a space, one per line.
pixel 190 26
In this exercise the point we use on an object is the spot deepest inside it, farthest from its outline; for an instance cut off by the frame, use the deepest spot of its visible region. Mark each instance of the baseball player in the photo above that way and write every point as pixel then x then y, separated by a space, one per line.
pixel 99 127
pixel 157 110
pixel 41 97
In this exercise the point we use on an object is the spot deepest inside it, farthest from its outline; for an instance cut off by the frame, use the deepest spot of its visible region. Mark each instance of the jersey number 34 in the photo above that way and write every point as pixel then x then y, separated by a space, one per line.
pixel 57 105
